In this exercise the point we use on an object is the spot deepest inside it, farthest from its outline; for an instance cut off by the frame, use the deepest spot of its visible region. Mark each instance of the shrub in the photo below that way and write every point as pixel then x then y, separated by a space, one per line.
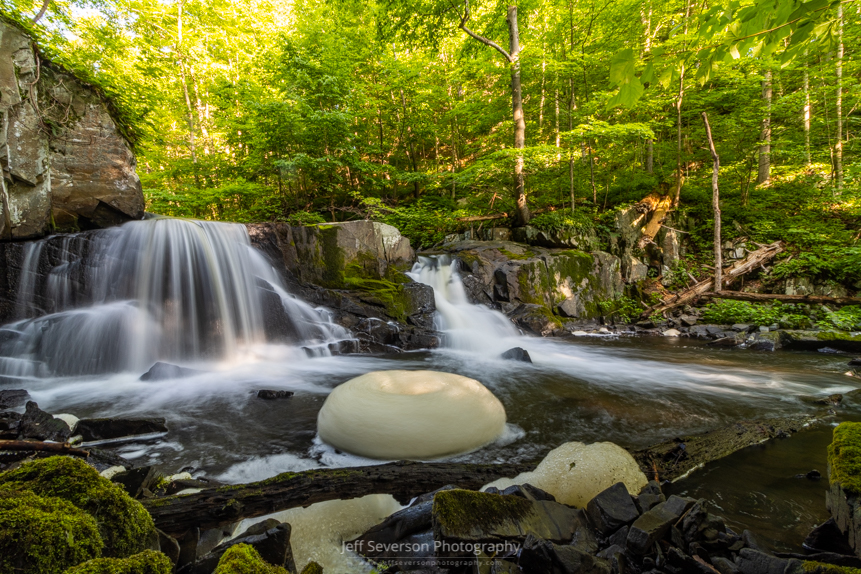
pixel 147 562
pixel 724 311
pixel 43 534
pixel 124 524
pixel 846 319
pixel 563 220
pixel 244 559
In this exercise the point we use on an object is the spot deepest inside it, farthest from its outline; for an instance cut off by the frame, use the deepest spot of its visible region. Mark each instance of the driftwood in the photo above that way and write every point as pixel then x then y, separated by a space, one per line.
pixel 756 297
pixel 676 458
pixel 57 447
pixel 216 507
pixel 753 260
pixel 659 206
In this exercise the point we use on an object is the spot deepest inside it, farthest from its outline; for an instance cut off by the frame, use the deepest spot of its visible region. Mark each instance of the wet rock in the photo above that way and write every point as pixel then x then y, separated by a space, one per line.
pixel 168 546
pixel 528 492
pixel 534 319
pixel 829 351
pixel 812 475
pixel 742 327
pixel 271 395
pixel 750 561
pixel 13 398
pixel 105 429
pixel 612 509
pixel 688 320
pixel 136 480
pixel 724 565
pixel 418 299
pixel 9 424
pixel 517 354
pixel 651 526
pixel 679 563
pixel 827 537
pixel 466 516
pixel 273 545
pixel 855 362
pixel 650 496
pixel 165 371
pixel 543 556
pixel 40 425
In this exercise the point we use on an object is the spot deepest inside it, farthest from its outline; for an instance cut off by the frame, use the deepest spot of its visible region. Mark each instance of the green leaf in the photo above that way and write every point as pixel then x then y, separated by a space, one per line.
pixel 622 66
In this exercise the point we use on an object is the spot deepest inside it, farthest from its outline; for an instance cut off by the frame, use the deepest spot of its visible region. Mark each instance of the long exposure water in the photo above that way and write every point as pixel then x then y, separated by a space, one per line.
pixel 149 301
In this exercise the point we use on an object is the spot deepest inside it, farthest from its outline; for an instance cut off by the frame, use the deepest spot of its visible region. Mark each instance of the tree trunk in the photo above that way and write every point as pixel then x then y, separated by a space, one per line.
pixel 522 214
pixel 715 207
pixel 838 148
pixel 571 151
pixel 806 117
pixel 650 156
pixel 764 172
pixel 543 92
pixel 189 108
pixel 679 174
pixel 215 507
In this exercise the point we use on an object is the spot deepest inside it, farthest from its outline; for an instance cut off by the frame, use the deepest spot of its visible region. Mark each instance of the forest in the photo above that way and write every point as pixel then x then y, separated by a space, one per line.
pixel 406 111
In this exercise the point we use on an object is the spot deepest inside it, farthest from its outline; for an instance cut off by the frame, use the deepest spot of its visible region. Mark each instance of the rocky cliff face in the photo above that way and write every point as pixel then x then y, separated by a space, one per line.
pixel 66 166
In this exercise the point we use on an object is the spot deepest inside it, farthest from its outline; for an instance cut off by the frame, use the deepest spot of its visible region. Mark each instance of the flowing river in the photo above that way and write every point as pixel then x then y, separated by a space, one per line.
pixel 189 293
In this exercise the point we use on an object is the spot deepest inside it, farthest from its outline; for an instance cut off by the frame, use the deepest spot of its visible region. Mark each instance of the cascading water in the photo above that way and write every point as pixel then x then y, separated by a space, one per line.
pixel 466 326
pixel 161 289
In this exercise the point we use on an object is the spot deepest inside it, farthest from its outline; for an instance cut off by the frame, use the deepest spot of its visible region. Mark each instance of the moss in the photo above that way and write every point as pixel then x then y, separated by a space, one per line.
pixel 147 562
pixel 42 534
pixel 820 568
pixel 838 336
pixel 244 559
pixel 458 511
pixel 382 292
pixel 124 523
pixel 844 457
pixel 527 254
pixel 312 568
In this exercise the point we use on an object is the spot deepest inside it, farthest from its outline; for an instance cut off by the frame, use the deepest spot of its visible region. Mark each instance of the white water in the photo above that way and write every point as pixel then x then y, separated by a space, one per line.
pixel 163 289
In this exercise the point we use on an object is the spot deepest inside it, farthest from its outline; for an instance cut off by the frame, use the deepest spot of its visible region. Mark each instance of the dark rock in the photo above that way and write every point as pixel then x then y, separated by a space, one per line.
pixel 714 330
pixel 273 545
pixel 40 425
pixel 168 546
pixel 678 505
pixel 650 496
pixel 584 538
pixel 742 327
pixel 188 549
pixel 135 480
pixel 855 362
pixel 751 541
pixel 615 555
pixel 688 320
pixel 829 351
pixel 724 342
pixel 751 561
pixel 270 395
pixel 517 354
pixel 104 429
pixel 164 371
pixel 528 492
pixel 13 398
pixel 9 423
pixel 678 563
pixel 418 299
pixel 649 528
pixel 612 509
pixel 547 558
pixel 812 475
pixel 619 537
pixel 827 537
pixel 724 566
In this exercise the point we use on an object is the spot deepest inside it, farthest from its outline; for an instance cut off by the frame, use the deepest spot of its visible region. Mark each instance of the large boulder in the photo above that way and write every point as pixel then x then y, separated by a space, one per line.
pixel 80 173
pixel 844 472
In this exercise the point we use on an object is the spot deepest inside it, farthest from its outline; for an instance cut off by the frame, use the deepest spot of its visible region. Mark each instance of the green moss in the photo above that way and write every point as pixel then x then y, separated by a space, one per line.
pixel 244 559
pixel 844 457
pixel 124 524
pixel 42 534
pixel 838 336
pixel 527 254
pixel 820 568
pixel 382 292
pixel 146 562
pixel 312 568
pixel 458 511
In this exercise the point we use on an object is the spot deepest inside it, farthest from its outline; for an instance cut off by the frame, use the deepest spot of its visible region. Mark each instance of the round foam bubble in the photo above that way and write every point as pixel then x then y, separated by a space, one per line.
pixel 575 472
pixel 422 415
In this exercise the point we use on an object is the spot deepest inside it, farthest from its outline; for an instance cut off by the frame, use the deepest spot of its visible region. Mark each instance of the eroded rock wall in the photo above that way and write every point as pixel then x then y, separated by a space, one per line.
pixel 66 165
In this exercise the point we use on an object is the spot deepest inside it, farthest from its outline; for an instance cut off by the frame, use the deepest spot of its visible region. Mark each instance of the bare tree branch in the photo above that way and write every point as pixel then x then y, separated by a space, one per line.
pixel 481 39
pixel 41 13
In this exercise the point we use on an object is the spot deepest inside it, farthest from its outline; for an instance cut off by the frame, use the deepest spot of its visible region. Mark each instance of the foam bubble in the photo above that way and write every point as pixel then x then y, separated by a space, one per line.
pixel 575 472
pixel 410 415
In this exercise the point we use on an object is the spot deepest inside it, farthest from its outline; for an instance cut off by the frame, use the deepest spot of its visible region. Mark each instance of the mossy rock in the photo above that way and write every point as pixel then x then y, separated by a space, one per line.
pixel 125 525
pixel 820 568
pixel 146 562
pixel 244 559
pixel 312 568
pixel 844 458
pixel 43 534
pixel 458 512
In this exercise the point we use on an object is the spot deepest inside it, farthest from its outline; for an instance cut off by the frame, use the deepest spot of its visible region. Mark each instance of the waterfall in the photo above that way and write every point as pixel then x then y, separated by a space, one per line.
pixel 162 289
pixel 466 326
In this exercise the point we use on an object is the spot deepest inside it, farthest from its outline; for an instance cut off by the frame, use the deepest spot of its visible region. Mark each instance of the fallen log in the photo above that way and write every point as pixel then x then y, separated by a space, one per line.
pixel 760 297
pixel 676 458
pixel 216 507
pixel 753 260
pixel 57 447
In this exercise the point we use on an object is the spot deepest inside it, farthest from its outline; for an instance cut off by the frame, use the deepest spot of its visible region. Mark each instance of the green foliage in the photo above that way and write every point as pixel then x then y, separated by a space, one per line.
pixel 625 308
pixel 146 562
pixel 124 524
pixel 844 457
pixel 43 534
pixel 846 319
pixel 304 218
pixel 244 559
pixel 822 568
pixel 563 220
pixel 727 312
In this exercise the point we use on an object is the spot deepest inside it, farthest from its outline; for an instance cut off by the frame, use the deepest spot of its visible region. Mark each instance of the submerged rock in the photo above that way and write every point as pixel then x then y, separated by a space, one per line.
pixel 517 354
pixel 165 371
pixel 270 395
